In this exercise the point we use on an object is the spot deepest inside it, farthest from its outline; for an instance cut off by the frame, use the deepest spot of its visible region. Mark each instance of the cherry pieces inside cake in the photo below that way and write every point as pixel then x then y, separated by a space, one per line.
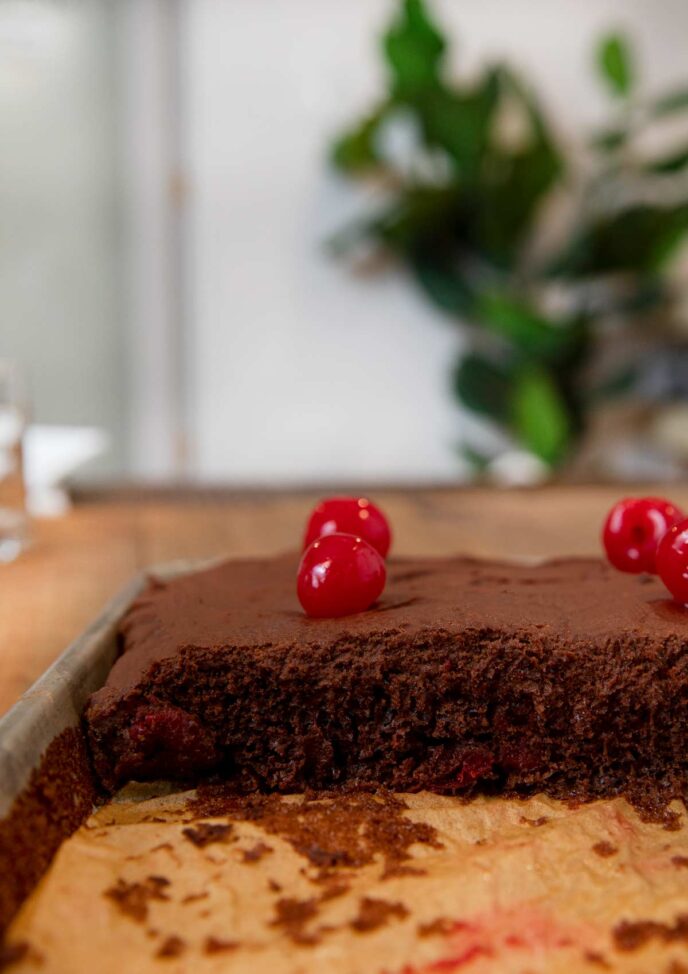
pixel 568 677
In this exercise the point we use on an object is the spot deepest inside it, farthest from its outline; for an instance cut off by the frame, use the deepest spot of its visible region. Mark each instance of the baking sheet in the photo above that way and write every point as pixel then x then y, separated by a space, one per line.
pixel 55 702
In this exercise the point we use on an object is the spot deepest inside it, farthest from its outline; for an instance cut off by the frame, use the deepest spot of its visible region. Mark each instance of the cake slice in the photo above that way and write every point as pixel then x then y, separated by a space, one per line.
pixel 568 677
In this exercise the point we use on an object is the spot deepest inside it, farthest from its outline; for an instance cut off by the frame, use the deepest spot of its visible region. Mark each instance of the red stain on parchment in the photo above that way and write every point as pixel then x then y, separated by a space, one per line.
pixel 493 935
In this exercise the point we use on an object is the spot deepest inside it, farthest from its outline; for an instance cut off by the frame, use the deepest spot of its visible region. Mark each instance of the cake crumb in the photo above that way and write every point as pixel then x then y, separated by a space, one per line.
pixel 605 849
pixel 132 898
pixel 215 945
pixel 594 957
pixel 194 897
pixel 374 913
pixel 172 947
pixel 634 934
pixel 256 852
pixel 205 833
pixel 439 927
pixel 292 915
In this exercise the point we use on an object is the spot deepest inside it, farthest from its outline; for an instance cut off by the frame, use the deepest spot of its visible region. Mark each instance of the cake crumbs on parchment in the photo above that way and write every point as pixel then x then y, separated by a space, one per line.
pixel 535 822
pixel 194 897
pixel 172 946
pixel 374 913
pixel 634 934
pixel 605 849
pixel 436 928
pixel 132 898
pixel 292 916
pixel 594 957
pixel 216 945
pixel 205 833
pixel 256 852
pixel 330 829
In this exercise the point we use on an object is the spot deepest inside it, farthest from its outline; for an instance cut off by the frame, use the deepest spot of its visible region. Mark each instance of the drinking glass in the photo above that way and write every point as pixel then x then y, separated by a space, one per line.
pixel 13 420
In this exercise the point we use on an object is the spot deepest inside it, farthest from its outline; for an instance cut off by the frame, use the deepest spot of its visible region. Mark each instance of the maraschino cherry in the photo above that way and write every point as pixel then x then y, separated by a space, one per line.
pixel 633 529
pixel 339 574
pixel 350 515
pixel 672 560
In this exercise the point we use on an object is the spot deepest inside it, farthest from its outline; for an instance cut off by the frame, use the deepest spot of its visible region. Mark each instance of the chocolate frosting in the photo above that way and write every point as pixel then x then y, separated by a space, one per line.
pixel 253 603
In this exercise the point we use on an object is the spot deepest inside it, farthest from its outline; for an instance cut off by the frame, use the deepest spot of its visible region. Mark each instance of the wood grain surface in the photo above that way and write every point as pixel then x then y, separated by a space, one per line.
pixel 78 562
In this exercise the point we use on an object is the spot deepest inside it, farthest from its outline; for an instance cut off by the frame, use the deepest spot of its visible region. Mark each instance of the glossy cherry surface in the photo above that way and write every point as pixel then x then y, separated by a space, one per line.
pixel 672 561
pixel 350 515
pixel 339 574
pixel 633 530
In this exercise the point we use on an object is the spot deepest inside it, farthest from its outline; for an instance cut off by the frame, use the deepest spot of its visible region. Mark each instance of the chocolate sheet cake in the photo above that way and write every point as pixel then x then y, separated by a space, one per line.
pixel 568 677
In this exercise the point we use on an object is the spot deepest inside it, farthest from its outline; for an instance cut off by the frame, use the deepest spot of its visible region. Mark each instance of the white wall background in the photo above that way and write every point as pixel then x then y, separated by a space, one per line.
pixel 59 229
pixel 235 349
pixel 296 369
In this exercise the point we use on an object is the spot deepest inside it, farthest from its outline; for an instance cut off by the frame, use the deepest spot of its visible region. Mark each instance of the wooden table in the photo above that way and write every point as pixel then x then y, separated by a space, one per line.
pixel 79 561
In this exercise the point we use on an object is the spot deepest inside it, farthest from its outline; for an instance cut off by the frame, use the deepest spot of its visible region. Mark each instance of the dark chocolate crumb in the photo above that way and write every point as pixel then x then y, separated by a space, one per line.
pixel 680 862
pixel 335 889
pixel 205 833
pixel 604 849
pixel 172 947
pixel 194 897
pixel 373 913
pixel 274 886
pixel 633 934
pixel 292 915
pixel 163 845
pixel 439 927
pixel 330 829
pixel 215 945
pixel 132 898
pixel 256 852
pixel 594 957
pixel 392 872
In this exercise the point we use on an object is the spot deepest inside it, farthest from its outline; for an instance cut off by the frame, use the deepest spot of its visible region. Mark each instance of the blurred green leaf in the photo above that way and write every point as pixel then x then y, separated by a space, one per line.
pixel 638 239
pixel 610 140
pixel 540 417
pixel 615 64
pixel 422 217
pixel 419 217
pixel 460 123
pixel 669 164
pixel 356 150
pixel 414 47
pixel 515 183
pixel 674 101
pixel 484 387
pixel 443 283
pixel 536 336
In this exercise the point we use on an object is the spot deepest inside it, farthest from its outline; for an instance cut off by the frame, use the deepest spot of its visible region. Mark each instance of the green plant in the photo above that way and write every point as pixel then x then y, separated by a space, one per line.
pixel 468 214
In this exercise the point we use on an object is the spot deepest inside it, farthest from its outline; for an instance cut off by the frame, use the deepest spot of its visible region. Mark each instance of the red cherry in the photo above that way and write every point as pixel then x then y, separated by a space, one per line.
pixel 339 574
pixel 672 560
pixel 633 529
pixel 350 515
